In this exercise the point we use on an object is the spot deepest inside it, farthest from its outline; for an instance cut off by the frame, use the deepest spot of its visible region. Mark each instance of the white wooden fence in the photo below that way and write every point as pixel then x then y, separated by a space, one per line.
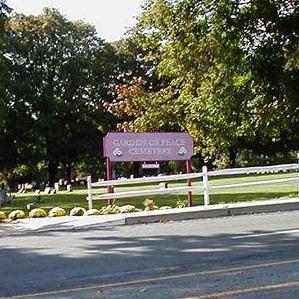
pixel 203 176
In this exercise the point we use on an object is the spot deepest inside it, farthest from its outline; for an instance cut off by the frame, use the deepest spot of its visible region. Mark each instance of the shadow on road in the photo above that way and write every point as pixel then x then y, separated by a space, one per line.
pixel 36 262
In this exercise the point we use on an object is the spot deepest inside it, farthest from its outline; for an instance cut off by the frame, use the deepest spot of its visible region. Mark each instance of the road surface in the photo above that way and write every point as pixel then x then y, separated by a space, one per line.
pixel 255 256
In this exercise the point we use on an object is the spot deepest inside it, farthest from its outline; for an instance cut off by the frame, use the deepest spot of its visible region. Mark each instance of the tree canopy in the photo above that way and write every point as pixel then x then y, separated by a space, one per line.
pixel 226 71
pixel 232 73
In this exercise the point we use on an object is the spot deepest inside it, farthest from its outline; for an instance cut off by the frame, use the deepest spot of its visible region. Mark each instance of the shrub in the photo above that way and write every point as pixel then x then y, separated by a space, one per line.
pixel 181 203
pixel 128 209
pixel 17 214
pixel 77 211
pixel 2 216
pixel 92 212
pixel 150 205
pixel 57 212
pixel 110 209
pixel 37 213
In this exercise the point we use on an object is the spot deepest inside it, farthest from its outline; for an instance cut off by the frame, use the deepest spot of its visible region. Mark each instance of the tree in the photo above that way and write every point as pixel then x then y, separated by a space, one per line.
pixel 232 70
pixel 59 76
pixel 7 148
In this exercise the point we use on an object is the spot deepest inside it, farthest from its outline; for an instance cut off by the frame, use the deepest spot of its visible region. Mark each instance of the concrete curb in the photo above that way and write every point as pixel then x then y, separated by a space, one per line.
pixel 214 211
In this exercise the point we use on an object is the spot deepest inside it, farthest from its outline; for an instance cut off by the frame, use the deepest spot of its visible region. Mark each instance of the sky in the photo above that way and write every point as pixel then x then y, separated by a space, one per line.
pixel 111 18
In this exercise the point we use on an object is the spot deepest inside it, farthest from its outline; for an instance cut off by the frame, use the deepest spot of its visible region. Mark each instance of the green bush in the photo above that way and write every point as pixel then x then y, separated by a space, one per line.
pixel 2 216
pixel 150 205
pixel 17 214
pixel 77 211
pixel 57 212
pixel 110 209
pixel 128 209
pixel 37 213
pixel 92 212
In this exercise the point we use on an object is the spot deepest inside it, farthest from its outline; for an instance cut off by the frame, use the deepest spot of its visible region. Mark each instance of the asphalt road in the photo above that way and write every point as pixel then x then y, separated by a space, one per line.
pixel 253 256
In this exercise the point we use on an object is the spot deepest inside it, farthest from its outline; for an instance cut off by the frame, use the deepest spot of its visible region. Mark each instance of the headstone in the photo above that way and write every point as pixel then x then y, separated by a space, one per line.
pixel 30 206
pixel 47 190
pixel 3 197
pixel 132 176
pixel 61 182
pixel 53 191
pixel 56 187
pixel 163 185
pixel 37 191
pixel 69 188
pixel 28 187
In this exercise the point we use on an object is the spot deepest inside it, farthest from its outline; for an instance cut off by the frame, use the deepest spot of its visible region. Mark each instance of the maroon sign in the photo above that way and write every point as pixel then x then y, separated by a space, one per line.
pixel 125 147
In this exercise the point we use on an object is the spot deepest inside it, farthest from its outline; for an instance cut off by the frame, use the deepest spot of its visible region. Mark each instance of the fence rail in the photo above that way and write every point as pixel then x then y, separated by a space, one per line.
pixel 144 180
pixel 204 187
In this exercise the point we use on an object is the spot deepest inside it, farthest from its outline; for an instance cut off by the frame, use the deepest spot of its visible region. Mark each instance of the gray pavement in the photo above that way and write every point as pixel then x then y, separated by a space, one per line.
pixel 253 256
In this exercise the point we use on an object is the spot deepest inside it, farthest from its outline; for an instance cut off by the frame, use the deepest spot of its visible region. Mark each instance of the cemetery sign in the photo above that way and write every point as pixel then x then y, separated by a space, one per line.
pixel 125 147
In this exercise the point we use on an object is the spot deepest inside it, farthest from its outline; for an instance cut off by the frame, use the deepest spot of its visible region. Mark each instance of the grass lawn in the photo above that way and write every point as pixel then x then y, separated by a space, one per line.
pixel 237 194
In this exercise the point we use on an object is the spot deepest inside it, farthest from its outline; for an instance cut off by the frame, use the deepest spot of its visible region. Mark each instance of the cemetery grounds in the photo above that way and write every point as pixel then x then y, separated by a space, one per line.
pixel 77 197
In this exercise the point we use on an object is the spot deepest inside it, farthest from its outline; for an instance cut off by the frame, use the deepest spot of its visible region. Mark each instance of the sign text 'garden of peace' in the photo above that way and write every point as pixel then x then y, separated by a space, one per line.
pixel 125 147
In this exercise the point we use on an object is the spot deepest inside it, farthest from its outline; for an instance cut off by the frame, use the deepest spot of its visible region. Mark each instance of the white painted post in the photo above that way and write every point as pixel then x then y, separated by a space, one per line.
pixel 205 182
pixel 89 192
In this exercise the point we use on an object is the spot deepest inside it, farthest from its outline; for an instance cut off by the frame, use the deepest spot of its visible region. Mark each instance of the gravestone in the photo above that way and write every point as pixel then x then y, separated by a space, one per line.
pixel 163 185
pixel 3 197
pixel 61 182
pixel 47 190
pixel 56 187
pixel 30 206
pixel 69 188
pixel 53 191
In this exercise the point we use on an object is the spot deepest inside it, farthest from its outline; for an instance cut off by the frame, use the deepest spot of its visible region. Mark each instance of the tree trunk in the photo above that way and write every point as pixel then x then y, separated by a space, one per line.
pixel 232 159
pixel 136 170
pixel 52 172
pixel 68 171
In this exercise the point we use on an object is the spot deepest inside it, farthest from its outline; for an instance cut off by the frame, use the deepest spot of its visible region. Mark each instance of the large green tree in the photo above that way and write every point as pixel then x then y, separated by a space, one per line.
pixel 6 145
pixel 232 70
pixel 60 75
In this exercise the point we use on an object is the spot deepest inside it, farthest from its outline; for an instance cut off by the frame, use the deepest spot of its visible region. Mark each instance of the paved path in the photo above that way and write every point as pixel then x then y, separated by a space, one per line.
pixel 253 256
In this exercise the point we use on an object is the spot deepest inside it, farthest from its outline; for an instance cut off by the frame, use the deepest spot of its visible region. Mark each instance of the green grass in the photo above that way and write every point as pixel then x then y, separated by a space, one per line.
pixel 238 194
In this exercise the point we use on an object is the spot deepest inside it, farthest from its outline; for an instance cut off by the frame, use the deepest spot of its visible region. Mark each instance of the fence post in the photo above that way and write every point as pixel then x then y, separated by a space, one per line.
pixel 189 182
pixel 205 182
pixel 89 192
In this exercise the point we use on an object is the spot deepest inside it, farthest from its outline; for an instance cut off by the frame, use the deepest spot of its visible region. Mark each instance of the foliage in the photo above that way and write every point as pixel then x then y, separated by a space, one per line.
pixel 2 216
pixel 57 212
pixel 77 211
pixel 128 209
pixel 232 73
pixel 58 83
pixel 17 214
pixel 110 209
pixel 92 212
pixel 181 203
pixel 150 205
pixel 37 213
